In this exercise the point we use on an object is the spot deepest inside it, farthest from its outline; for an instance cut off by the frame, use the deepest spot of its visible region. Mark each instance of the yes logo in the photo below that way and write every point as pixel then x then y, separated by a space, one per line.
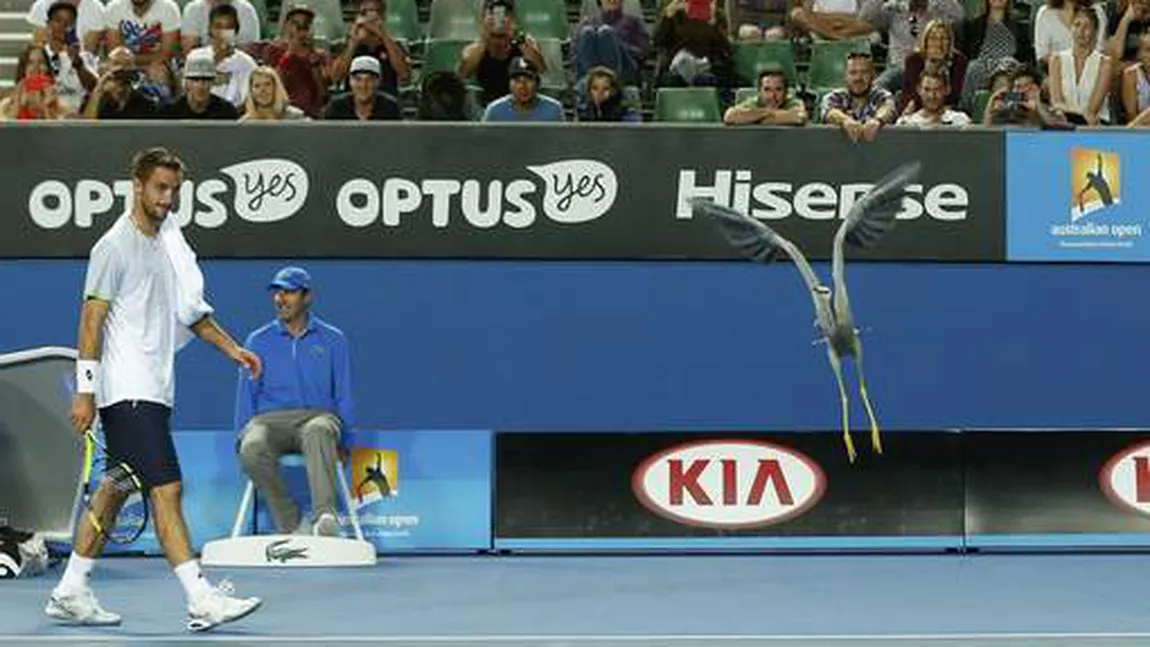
pixel 576 190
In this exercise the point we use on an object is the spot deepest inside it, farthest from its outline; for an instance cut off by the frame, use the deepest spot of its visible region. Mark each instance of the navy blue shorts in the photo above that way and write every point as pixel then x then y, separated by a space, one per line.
pixel 140 434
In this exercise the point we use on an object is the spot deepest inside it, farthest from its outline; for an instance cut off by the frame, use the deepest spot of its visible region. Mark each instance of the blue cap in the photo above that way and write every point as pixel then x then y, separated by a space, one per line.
pixel 291 278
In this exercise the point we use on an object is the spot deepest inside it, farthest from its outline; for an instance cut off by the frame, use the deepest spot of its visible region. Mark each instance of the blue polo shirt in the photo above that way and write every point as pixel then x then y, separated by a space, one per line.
pixel 312 371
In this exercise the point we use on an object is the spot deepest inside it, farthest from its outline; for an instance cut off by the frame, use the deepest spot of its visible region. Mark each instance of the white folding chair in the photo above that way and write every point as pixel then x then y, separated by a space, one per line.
pixel 290 550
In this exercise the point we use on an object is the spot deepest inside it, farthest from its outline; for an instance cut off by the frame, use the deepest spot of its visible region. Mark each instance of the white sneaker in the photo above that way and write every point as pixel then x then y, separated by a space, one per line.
pixel 327 526
pixel 218 607
pixel 79 608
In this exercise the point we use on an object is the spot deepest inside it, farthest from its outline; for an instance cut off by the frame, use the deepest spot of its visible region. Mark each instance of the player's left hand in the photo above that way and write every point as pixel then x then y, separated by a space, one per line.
pixel 249 360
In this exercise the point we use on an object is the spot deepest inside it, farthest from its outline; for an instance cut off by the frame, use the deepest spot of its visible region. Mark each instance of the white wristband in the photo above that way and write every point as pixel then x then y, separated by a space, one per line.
pixel 86 371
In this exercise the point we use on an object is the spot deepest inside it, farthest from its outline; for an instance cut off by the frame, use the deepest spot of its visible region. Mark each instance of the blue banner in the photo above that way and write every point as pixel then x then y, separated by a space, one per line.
pixel 1078 197
pixel 413 490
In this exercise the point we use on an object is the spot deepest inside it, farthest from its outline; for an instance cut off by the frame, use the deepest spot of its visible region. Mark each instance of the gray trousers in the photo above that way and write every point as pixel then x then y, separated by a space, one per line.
pixel 313 433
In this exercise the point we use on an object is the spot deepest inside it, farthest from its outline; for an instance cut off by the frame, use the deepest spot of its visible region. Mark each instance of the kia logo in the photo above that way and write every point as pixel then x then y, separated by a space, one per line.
pixel 1125 479
pixel 729 483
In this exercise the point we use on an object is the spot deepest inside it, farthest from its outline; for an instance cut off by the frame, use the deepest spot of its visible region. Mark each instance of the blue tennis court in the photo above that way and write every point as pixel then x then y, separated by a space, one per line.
pixel 968 600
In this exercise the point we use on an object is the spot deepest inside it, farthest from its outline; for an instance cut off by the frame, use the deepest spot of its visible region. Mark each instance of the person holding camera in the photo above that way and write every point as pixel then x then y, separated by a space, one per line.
pixel 1021 104
pixel 303 67
pixel 368 36
pixel 501 41
pixel 117 94
pixel 73 67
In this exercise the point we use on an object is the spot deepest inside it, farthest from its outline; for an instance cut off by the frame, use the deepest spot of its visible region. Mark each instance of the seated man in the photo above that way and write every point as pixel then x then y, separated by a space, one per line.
pixel 301 404
pixel 770 105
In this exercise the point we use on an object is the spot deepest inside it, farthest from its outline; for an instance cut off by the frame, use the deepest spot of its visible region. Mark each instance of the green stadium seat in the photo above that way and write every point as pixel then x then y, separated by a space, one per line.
pixel 981 99
pixel 453 20
pixel 443 55
pixel 403 21
pixel 543 18
pixel 752 57
pixel 687 105
pixel 829 62
pixel 554 80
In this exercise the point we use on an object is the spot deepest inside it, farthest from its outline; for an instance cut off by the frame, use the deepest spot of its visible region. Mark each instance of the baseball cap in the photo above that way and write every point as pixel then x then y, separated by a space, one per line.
pixel 200 65
pixel 522 67
pixel 369 64
pixel 299 7
pixel 291 278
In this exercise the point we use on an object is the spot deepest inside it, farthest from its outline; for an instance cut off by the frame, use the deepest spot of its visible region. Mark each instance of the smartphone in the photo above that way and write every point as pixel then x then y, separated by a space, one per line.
pixel 72 38
pixel 699 9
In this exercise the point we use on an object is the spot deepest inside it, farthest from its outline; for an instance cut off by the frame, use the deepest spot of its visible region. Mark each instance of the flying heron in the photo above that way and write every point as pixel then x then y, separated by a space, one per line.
pixel 871 217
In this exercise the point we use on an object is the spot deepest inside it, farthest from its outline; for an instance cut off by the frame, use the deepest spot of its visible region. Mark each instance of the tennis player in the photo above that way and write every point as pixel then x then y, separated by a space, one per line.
pixel 143 299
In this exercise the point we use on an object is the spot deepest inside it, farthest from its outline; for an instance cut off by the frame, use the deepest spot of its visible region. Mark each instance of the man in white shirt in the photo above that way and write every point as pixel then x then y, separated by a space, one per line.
pixel 197 20
pixel 233 66
pixel 89 22
pixel 150 29
pixel 142 301
pixel 933 87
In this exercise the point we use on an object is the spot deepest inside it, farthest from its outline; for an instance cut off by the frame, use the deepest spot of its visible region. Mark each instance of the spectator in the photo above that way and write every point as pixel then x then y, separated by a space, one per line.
pixel 150 29
pixel 613 39
pixel 233 66
pixel 443 97
pixel 1052 26
pixel 693 47
pixel 196 23
pixel 31 62
pixel 902 21
pixel 1136 82
pixel 268 99
pixel 604 99
pixel 198 102
pixel 89 23
pixel 1080 76
pixel 303 67
pixel 501 41
pixel 524 103
pixel 369 36
pixel 936 52
pixel 73 68
pixel 1022 104
pixel 365 102
pixel 989 39
pixel 117 94
pixel 933 90
pixel 34 99
pixel 1130 23
pixel 863 107
pixel 771 104
pixel 829 19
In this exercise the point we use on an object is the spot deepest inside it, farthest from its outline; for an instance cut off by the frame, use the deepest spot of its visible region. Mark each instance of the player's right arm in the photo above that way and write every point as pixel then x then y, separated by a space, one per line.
pixel 92 317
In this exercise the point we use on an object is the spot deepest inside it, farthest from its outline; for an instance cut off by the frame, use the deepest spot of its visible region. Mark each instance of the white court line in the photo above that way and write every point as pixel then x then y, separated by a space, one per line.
pixel 519 638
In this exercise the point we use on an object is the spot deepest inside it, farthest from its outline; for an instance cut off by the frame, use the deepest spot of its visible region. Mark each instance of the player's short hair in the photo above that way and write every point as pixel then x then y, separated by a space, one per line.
pixel 149 159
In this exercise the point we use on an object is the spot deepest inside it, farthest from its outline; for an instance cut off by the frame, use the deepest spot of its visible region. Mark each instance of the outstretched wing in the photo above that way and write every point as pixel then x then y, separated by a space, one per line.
pixel 867 222
pixel 753 239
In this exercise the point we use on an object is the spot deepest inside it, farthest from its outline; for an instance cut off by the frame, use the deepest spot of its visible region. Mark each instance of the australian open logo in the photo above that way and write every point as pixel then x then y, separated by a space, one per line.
pixel 1095 201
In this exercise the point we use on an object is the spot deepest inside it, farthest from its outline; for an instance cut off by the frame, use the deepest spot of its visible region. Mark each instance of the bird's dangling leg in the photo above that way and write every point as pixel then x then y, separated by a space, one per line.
pixel 837 367
pixel 875 434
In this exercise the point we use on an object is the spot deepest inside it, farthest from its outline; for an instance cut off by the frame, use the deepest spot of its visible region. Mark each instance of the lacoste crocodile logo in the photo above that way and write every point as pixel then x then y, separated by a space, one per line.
pixel 277 551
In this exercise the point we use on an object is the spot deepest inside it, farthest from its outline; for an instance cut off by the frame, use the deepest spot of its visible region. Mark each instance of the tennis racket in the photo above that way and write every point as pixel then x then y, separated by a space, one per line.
pixel 107 478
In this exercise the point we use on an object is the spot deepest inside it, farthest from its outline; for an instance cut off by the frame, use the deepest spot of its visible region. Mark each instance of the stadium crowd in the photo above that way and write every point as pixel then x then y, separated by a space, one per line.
pixel 860 65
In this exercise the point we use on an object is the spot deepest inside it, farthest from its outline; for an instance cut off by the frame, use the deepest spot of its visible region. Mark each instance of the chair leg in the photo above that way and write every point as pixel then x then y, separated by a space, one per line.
pixel 348 502
pixel 243 511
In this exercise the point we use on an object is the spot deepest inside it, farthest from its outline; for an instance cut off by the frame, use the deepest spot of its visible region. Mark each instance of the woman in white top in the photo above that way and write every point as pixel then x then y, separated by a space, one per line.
pixel 1136 85
pixel 1052 27
pixel 1080 76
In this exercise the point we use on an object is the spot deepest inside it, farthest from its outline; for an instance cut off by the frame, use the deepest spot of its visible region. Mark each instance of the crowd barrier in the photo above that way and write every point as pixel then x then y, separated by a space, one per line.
pixel 636 405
